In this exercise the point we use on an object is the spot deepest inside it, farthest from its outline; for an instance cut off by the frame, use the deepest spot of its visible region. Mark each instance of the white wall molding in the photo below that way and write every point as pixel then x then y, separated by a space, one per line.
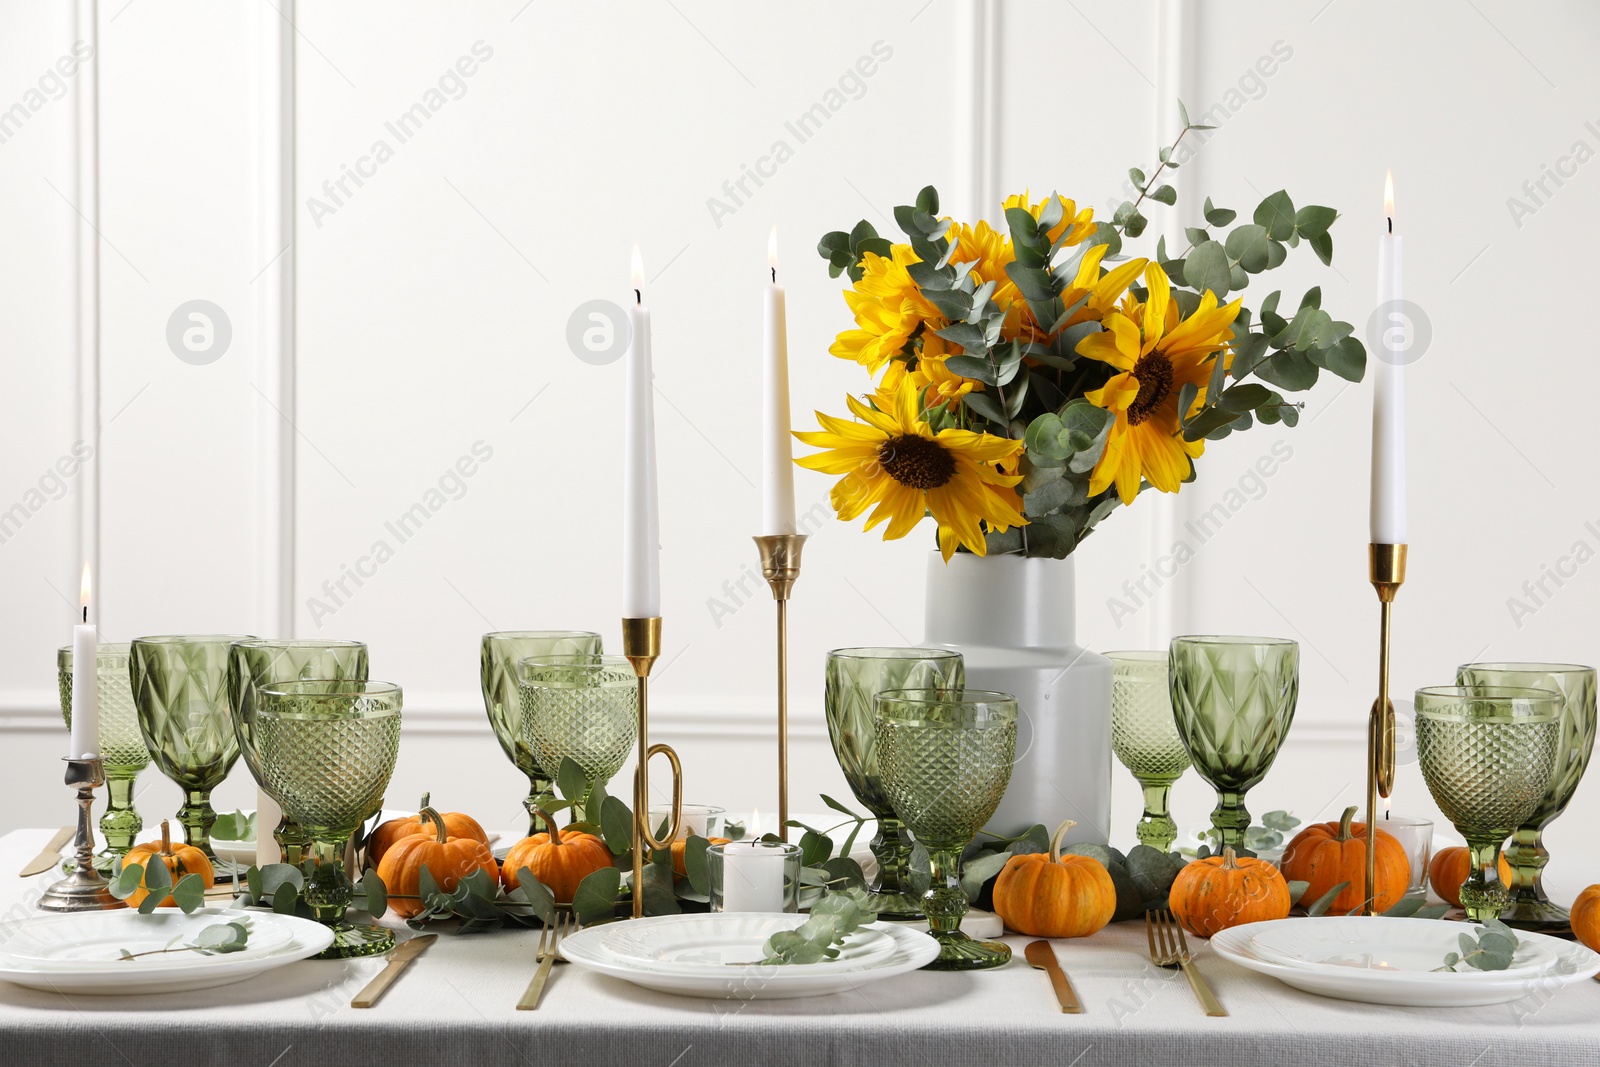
pixel 978 83
pixel 86 195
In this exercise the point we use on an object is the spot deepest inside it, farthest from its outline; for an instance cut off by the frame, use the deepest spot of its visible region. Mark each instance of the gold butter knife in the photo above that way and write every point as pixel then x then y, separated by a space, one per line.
pixel 51 855
pixel 1042 955
pixel 401 955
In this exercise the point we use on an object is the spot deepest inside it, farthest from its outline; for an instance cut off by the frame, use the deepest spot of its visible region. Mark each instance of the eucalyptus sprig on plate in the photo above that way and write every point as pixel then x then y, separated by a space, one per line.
pixel 234 826
pixel 214 940
pixel 1490 949
pixel 833 919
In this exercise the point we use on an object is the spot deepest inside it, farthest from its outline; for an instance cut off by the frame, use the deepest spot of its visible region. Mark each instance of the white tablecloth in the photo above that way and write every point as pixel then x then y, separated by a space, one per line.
pixel 456 1006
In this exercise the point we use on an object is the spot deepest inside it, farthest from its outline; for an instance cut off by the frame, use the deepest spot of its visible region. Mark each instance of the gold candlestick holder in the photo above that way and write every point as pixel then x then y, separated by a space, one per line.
pixel 641 644
pixel 780 566
pixel 1386 567
pixel 84 889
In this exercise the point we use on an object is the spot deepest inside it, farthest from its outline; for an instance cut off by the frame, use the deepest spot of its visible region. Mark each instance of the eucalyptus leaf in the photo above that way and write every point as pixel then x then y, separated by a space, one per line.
pixel 375 892
pixel 1321 905
pixel 190 893
pixel 596 896
pixel 571 780
pixel 1276 214
pixel 616 825
pixel 978 870
pixel 1218 216
pixel 1206 267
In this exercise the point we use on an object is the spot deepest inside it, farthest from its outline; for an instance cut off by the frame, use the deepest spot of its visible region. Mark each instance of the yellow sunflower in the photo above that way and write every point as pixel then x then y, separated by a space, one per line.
pixel 895 464
pixel 943 385
pixel 1082 222
pixel 1103 291
pixel 1157 355
pixel 888 307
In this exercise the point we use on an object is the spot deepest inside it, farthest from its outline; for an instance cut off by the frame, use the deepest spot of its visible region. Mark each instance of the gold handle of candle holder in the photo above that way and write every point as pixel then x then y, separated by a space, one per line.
pixel 641 783
pixel 1386 568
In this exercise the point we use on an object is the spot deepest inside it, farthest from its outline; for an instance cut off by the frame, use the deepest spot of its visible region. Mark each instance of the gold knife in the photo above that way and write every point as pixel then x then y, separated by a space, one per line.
pixel 1042 955
pixel 51 854
pixel 401 955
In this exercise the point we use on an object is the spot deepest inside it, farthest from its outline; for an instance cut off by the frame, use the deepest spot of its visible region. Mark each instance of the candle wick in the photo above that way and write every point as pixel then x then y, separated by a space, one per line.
pixel 638 297
pixel 774 275
pixel 1391 223
pixel 86 614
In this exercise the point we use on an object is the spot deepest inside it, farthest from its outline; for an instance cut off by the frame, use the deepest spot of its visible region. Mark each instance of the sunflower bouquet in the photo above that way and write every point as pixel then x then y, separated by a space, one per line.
pixel 1028 382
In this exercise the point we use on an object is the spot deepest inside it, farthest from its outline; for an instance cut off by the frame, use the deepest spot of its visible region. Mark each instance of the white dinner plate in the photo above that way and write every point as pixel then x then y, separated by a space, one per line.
pixel 1391 961
pixel 717 955
pixel 81 953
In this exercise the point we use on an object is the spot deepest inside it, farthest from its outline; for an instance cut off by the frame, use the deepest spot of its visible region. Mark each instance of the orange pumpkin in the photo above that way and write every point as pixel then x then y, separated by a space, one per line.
pixel 1452 866
pixel 448 859
pixel 1585 917
pixel 1327 853
pixel 559 860
pixel 682 843
pixel 1215 893
pixel 384 837
pixel 1051 895
pixel 180 859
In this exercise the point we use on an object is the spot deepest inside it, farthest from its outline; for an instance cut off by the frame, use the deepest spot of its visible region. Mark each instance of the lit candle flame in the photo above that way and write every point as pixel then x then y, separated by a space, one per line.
pixel 772 252
pixel 754 832
pixel 638 270
pixel 1388 802
pixel 1388 197
pixel 83 594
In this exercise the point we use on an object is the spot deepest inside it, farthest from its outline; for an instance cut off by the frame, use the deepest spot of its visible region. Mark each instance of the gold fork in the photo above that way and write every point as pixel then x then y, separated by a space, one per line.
pixel 549 947
pixel 1169 948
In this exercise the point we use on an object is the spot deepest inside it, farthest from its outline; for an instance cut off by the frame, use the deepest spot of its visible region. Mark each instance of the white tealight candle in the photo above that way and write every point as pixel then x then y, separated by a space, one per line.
pixel 777 459
pixel 85 739
pixel 752 875
pixel 641 524
pixel 1389 390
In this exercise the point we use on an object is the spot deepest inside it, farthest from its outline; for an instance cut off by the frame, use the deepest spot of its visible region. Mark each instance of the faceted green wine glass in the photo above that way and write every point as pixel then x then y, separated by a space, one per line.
pixel 327 751
pixel 855 677
pixel 1530 906
pixel 497 671
pixel 1233 699
pixel 256 663
pixel 582 708
pixel 1488 754
pixel 945 756
pixel 122 747
pixel 180 688
pixel 1144 736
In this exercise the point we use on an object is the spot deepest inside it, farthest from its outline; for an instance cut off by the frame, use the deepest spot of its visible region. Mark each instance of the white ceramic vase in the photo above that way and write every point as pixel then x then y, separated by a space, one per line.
pixel 1014 620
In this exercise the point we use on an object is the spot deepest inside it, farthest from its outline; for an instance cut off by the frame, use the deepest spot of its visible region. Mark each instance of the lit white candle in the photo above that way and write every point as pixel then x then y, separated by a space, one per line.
pixel 1389 391
pixel 777 460
pixel 85 740
pixel 752 876
pixel 641 525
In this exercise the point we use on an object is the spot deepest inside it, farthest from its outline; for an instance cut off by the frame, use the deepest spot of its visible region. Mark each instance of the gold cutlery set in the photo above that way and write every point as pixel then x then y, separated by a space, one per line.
pixel 548 953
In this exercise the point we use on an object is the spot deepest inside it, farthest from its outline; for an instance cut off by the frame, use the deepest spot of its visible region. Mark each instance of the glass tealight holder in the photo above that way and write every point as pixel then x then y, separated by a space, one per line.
pixel 698 820
pixel 1416 837
pixel 754 876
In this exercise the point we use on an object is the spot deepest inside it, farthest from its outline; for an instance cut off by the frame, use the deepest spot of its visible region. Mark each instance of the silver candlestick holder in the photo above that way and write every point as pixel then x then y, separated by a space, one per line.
pixel 84 889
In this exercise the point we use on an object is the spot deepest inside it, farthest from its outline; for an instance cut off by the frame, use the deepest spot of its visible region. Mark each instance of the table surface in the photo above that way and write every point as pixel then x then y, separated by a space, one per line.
pixel 456 1005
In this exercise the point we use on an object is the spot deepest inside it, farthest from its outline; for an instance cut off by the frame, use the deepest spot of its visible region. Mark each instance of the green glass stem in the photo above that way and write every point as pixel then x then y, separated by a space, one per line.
pixel 197 817
pixel 1156 827
pixel 944 903
pixel 120 825
pixel 1527 857
pixel 891 847
pixel 328 890
pixel 1230 819
pixel 293 841
pixel 1483 895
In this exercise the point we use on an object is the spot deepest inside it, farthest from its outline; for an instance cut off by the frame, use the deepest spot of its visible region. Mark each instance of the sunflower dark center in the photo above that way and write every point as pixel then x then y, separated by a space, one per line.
pixel 916 461
pixel 1154 374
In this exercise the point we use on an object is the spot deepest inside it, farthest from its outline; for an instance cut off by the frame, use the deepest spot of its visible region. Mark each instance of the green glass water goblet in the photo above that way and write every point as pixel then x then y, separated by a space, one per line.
pixel 1233 699
pixel 945 756
pixel 1530 907
pixel 1488 754
pixel 328 750
pixel 855 677
pixel 180 690
pixel 497 671
pixel 258 662
pixel 122 748
pixel 1144 737
pixel 582 708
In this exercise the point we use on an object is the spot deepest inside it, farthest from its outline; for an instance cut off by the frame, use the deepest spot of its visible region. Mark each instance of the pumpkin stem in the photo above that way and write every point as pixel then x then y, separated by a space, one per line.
pixel 1055 841
pixel 1344 822
pixel 166 838
pixel 550 824
pixel 1229 858
pixel 427 814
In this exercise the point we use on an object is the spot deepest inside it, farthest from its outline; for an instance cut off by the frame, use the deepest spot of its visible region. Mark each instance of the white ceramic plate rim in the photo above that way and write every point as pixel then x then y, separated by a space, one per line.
pixel 604 944
pixel 1535 954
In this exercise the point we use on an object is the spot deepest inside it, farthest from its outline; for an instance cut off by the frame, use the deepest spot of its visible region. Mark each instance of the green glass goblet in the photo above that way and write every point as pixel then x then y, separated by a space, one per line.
pixel 180 689
pixel 1488 754
pixel 1233 699
pixel 1530 906
pixel 945 756
pixel 582 708
pixel 1144 736
pixel 255 663
pixel 497 671
pixel 855 677
pixel 327 751
pixel 122 748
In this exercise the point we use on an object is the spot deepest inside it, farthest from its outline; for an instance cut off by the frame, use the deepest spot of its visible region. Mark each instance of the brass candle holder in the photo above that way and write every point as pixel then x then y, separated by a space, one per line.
pixel 780 566
pixel 641 644
pixel 1386 567
pixel 84 889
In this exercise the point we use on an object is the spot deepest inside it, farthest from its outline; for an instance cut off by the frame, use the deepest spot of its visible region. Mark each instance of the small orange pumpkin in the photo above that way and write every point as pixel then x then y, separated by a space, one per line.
pixel 1452 866
pixel 1215 893
pixel 384 837
pixel 682 843
pixel 180 859
pixel 558 860
pixel 1327 853
pixel 1585 917
pixel 448 859
pixel 1051 895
